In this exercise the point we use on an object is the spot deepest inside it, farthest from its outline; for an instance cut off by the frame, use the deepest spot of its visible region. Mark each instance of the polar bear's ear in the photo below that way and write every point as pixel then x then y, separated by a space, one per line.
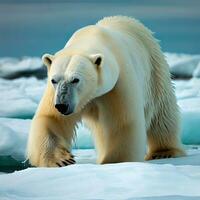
pixel 47 59
pixel 96 59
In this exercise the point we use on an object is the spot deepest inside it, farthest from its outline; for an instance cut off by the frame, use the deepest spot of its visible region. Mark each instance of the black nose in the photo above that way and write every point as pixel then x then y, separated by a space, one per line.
pixel 63 108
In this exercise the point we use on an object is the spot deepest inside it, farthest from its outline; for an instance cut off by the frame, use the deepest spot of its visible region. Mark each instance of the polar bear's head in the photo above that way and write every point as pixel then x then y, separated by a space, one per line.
pixel 78 79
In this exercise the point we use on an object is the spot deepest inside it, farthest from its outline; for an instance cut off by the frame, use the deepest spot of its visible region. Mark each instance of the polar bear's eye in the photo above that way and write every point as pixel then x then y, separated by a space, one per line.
pixel 53 81
pixel 75 80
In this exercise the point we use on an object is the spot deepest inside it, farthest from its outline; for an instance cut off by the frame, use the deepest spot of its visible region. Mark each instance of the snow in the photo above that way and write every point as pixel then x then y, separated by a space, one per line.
pixel 109 181
pixel 164 179
pixel 187 89
pixel 9 67
pixel 184 65
pixel 188 95
pixel 20 97
pixel 13 134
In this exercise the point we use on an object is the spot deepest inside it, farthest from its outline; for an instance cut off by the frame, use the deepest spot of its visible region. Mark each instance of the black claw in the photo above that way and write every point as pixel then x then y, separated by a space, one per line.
pixel 59 165
pixel 65 163
pixel 72 160
pixel 68 163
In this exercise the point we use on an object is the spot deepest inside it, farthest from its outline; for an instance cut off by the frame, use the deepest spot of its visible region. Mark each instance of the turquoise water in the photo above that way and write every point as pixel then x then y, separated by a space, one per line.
pixel 30 28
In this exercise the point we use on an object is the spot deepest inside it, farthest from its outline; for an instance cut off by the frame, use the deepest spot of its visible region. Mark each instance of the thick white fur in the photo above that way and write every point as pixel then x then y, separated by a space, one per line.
pixel 127 102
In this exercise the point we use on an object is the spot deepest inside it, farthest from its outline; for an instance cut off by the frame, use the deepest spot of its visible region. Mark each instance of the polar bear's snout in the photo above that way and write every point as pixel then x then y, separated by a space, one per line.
pixel 64 99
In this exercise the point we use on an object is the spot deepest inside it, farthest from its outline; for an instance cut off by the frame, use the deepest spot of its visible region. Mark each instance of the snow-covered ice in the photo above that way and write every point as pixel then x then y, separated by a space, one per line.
pixel 183 65
pixel 20 97
pixel 188 95
pixel 12 67
pixel 110 181
pixel 13 134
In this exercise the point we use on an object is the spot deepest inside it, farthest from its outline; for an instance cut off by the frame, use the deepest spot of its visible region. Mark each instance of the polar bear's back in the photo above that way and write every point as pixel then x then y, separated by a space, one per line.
pixel 144 37
pixel 132 27
pixel 122 23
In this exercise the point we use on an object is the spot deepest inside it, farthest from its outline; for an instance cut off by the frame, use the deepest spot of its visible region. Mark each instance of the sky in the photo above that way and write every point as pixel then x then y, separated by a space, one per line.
pixel 32 28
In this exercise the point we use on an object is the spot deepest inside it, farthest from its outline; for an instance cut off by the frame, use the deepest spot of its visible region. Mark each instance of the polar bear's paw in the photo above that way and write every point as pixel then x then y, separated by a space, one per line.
pixel 171 153
pixel 61 157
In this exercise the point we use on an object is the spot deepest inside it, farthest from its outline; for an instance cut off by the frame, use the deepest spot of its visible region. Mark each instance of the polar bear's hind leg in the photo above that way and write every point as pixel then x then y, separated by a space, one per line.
pixel 163 135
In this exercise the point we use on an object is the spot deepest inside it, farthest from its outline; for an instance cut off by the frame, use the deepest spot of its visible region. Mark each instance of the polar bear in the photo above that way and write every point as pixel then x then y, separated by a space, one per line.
pixel 114 78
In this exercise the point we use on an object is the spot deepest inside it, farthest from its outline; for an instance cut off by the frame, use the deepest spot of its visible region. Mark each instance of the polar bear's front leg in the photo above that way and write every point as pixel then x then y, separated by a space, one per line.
pixel 50 142
pixel 126 144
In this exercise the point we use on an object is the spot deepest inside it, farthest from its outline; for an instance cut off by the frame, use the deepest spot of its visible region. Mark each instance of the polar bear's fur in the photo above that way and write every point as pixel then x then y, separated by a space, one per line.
pixel 124 96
